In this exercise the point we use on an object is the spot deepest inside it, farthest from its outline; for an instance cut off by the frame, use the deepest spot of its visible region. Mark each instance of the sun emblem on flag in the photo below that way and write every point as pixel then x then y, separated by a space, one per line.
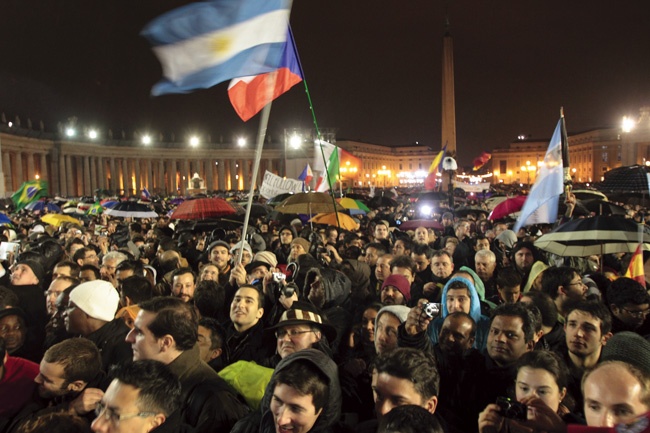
pixel 221 44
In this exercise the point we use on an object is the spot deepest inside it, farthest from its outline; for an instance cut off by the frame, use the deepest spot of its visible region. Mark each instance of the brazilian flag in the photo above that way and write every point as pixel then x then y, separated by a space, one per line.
pixel 28 192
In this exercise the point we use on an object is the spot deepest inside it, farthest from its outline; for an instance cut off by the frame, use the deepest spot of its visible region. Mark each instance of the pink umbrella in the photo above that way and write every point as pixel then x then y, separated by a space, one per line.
pixel 507 207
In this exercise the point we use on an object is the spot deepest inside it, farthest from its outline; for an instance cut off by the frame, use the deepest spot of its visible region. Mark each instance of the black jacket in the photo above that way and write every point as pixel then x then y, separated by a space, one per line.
pixel 109 339
pixel 249 345
pixel 210 405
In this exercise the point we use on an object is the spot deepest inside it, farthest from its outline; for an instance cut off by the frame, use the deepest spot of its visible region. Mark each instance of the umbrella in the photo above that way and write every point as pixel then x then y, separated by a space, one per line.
pixel 507 207
pixel 40 206
pixel 108 203
pixel 602 207
pixel 594 236
pixel 4 219
pixel 463 211
pixel 202 208
pixel 346 221
pixel 309 203
pixel 413 224
pixel 55 219
pixel 131 209
pixel 176 201
pixel 587 194
pixel 382 201
pixel 258 210
pixel 355 207
pixel 279 199
pixel 633 178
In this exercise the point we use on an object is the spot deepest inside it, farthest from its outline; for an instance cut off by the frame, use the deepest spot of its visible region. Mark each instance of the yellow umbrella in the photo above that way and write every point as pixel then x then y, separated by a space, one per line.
pixel 346 221
pixel 56 219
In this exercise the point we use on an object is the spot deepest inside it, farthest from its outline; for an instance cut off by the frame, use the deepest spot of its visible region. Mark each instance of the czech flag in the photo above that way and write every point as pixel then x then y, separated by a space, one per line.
pixel 249 95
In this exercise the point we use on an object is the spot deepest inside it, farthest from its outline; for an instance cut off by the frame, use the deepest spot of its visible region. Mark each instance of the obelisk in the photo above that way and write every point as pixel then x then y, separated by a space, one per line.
pixel 448 99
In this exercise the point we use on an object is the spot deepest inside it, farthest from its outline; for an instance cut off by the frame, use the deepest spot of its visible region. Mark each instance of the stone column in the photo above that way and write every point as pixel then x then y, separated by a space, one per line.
pixel 114 183
pixel 44 170
pixel 19 169
pixel 70 175
pixel 138 180
pixel 126 185
pixel 101 173
pixel 171 177
pixel 63 185
pixel 6 167
pixel 149 175
pixel 221 174
pixel 234 182
pixel 161 177
pixel 209 179
pixel 269 165
pixel 86 179
pixel 31 172
pixel 247 170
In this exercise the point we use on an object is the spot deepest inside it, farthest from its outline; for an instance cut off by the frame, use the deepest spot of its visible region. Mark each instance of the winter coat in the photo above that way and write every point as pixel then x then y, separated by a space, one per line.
pixel 482 322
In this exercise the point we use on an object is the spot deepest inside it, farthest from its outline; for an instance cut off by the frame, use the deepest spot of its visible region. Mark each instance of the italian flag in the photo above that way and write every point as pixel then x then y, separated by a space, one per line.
pixel 334 158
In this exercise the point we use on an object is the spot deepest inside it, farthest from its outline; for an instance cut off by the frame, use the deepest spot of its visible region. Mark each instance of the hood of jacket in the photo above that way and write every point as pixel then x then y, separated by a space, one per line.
pixel 332 409
pixel 336 284
pixel 358 273
pixel 475 305
pixel 478 283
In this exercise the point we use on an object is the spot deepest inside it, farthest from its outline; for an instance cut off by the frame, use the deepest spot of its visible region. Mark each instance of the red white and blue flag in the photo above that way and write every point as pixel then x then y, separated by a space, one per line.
pixel 307 175
pixel 249 95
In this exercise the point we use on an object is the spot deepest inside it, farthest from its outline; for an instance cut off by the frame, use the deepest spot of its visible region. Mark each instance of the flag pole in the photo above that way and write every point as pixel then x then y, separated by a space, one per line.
pixel 261 135
pixel 568 182
pixel 318 134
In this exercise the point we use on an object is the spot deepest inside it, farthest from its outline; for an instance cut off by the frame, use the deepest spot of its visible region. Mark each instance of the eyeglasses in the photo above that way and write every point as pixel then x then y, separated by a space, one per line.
pixel 5 329
pixel 114 418
pixel 291 333
pixel 637 313
pixel 577 283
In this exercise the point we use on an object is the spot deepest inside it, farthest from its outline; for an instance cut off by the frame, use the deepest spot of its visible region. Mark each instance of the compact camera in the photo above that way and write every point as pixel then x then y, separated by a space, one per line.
pixel 431 309
pixel 278 277
pixel 512 409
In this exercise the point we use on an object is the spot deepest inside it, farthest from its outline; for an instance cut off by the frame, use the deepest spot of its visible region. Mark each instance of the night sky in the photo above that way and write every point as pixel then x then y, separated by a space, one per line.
pixel 373 69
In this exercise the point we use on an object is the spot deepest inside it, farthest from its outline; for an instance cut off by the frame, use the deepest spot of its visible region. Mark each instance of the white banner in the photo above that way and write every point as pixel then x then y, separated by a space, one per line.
pixel 472 188
pixel 273 185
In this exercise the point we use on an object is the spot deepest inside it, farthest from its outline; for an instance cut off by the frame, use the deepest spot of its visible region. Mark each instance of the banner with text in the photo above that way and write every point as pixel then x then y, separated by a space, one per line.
pixel 477 187
pixel 273 185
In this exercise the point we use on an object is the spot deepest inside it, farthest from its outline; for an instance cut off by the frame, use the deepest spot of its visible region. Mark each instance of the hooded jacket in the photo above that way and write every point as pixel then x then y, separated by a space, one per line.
pixel 337 306
pixel 482 322
pixel 331 411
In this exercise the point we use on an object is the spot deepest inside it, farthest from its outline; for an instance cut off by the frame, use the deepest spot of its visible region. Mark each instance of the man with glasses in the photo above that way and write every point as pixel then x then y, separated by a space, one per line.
pixel 629 304
pixel 144 395
pixel 86 256
pixel 299 328
pixel 564 285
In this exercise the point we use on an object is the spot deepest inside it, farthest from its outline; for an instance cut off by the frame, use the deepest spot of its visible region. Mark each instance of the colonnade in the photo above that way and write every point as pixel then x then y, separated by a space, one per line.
pixel 70 172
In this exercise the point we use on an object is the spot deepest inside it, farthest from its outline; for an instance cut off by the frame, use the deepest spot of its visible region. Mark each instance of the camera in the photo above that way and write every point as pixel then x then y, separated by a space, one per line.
pixel 512 409
pixel 289 290
pixel 278 277
pixel 431 309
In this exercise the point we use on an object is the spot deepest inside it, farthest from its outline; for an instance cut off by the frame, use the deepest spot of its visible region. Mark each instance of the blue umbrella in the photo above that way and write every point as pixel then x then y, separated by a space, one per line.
pixel 40 206
pixel 4 219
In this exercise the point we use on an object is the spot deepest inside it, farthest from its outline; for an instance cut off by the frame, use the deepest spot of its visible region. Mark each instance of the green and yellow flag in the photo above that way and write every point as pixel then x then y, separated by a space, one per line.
pixel 28 192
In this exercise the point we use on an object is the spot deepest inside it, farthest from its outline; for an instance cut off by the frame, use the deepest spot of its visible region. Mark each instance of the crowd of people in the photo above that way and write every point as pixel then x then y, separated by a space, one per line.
pixel 139 325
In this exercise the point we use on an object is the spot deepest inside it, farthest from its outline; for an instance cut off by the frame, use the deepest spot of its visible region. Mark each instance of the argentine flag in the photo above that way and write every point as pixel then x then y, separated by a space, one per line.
pixel 203 44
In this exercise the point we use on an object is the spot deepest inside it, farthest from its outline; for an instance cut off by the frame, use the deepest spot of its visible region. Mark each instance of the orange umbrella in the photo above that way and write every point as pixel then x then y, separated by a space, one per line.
pixel 346 221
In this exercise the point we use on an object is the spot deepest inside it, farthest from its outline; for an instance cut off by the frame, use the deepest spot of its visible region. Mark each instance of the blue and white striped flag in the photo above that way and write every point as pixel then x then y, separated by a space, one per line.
pixel 203 44
pixel 541 206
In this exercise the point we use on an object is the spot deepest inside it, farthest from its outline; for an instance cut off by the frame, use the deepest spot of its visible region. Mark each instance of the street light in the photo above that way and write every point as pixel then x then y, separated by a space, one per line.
pixel 241 142
pixel 449 165
pixel 194 141
pixel 627 124
pixel 146 139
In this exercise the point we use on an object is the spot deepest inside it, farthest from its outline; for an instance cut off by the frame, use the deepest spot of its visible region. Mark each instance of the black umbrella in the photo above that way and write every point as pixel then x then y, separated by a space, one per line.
pixel 602 207
pixel 381 201
pixel 131 209
pixel 633 178
pixel 463 211
pixel 594 236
